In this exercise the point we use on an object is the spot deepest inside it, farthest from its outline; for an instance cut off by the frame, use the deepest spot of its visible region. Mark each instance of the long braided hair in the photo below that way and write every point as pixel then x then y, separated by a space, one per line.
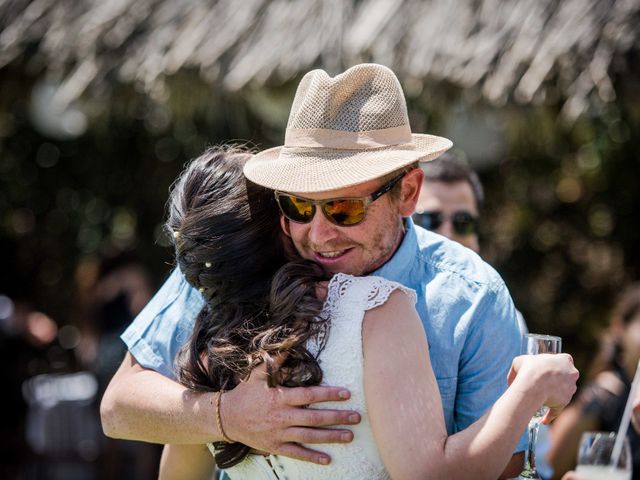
pixel 229 246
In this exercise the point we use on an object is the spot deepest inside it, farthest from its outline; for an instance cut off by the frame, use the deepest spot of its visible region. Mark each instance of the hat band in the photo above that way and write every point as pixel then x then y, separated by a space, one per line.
pixel 327 138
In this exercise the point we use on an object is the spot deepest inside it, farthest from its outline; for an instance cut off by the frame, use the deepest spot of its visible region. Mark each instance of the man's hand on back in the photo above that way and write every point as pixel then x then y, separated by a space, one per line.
pixel 141 404
pixel 276 420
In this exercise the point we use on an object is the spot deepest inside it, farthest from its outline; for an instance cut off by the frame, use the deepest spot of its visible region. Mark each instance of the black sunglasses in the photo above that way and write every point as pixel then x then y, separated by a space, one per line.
pixel 344 212
pixel 463 222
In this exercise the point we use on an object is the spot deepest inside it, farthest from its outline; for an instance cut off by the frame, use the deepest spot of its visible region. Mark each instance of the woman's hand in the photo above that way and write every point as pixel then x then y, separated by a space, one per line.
pixel 552 375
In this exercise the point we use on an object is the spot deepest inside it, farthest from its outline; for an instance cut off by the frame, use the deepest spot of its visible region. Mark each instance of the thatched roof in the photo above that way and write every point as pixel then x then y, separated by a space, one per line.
pixel 505 49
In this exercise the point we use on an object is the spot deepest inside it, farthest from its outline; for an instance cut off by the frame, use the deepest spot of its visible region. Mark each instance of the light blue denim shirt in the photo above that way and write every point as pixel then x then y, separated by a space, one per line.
pixel 164 324
pixel 465 307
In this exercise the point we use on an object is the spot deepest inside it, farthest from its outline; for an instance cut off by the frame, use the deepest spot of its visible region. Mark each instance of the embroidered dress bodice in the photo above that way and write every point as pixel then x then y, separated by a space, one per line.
pixel 341 360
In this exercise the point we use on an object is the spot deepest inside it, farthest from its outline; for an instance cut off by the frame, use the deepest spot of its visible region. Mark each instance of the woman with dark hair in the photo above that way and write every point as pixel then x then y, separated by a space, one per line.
pixel 600 403
pixel 266 306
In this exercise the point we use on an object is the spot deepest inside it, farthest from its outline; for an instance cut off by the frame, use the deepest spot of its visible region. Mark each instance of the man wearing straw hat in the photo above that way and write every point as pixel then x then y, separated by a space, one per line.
pixel 346 182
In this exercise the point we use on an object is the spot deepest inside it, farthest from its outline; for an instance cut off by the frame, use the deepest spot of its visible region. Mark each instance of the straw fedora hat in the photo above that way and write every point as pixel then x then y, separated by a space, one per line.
pixel 343 131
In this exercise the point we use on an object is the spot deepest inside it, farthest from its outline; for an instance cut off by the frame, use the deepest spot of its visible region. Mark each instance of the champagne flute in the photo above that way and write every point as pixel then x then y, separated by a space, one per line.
pixel 533 344
pixel 594 457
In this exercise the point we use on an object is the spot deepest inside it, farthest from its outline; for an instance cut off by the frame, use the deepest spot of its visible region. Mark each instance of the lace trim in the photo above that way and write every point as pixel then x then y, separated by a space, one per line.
pixel 378 290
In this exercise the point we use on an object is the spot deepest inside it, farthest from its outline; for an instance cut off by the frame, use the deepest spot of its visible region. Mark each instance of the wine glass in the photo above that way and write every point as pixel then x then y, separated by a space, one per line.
pixel 594 457
pixel 533 344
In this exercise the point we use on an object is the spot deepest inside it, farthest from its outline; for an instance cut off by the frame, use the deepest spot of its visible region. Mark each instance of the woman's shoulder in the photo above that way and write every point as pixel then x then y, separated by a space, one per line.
pixel 370 290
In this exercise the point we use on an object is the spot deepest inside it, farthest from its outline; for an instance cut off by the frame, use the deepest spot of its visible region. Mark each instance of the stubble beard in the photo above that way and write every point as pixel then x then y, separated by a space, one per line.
pixel 384 243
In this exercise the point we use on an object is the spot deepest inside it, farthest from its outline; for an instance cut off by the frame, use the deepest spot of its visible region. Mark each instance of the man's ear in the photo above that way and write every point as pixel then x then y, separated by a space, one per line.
pixel 410 191
pixel 284 224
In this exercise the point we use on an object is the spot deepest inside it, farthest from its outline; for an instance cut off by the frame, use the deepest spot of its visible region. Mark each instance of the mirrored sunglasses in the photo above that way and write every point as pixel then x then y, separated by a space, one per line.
pixel 463 222
pixel 344 212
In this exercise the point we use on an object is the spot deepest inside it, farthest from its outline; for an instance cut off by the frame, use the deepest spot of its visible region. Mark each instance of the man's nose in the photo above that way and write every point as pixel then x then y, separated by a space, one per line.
pixel 446 229
pixel 321 229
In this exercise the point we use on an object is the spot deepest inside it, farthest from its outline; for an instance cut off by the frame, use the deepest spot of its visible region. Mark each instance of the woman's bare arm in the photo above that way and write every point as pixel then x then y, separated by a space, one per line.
pixel 405 408
pixel 565 438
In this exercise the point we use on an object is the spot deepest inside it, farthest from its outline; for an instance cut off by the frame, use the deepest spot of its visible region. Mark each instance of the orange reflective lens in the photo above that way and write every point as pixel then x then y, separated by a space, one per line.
pixel 345 212
pixel 300 208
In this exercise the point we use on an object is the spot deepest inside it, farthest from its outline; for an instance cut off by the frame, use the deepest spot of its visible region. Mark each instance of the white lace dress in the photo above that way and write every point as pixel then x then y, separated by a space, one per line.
pixel 342 365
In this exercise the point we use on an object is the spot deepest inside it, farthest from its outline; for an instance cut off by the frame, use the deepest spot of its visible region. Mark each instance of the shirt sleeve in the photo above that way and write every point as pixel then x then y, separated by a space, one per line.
pixel 164 325
pixel 493 340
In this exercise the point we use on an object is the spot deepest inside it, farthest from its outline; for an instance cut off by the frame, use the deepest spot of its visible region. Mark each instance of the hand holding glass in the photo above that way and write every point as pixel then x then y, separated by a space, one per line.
pixel 534 344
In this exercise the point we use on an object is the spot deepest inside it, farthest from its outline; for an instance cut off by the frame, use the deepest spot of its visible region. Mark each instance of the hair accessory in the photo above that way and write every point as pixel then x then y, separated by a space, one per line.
pixel 219 417
pixel 176 234
pixel 207 264
pixel 344 131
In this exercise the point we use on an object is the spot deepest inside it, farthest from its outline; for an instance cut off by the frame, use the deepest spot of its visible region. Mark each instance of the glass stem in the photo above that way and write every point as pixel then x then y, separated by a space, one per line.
pixel 529 454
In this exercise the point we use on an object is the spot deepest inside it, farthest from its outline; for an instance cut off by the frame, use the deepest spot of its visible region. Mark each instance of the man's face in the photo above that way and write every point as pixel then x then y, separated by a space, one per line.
pixel 449 198
pixel 361 248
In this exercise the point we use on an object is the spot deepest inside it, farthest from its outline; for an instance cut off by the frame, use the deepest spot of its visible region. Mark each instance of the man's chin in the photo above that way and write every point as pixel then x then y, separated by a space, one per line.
pixel 348 269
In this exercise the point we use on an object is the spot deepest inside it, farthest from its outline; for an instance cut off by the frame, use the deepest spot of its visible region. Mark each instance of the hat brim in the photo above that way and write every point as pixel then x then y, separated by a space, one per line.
pixel 311 170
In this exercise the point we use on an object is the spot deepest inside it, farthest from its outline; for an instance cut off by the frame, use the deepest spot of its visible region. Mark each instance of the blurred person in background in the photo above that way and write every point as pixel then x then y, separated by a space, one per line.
pixel 600 403
pixel 450 200
pixel 635 422
pixel 26 338
pixel 111 291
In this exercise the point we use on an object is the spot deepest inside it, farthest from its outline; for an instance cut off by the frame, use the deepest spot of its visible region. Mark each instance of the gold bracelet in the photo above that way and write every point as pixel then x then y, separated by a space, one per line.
pixel 219 417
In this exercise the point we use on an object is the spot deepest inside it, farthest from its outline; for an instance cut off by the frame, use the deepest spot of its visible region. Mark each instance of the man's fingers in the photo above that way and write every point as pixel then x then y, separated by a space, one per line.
pixel 293 450
pixel 318 435
pixel 300 396
pixel 315 417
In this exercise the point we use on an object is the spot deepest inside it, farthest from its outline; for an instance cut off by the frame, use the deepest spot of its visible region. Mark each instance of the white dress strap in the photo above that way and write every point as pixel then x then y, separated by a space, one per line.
pixel 372 291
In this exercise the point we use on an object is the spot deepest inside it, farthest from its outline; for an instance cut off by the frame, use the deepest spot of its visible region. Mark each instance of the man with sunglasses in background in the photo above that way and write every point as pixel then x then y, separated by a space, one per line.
pixel 347 182
pixel 450 201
